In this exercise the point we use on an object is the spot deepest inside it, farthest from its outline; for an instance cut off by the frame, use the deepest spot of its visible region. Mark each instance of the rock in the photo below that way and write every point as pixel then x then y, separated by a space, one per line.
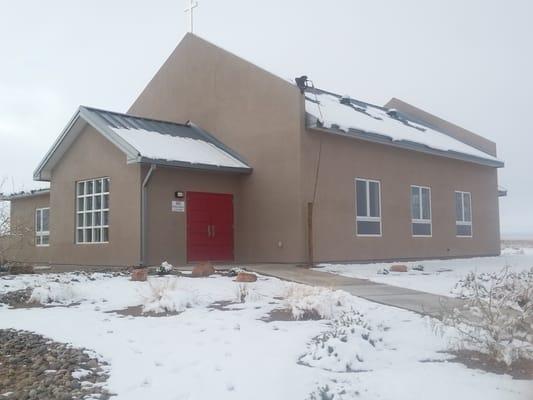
pixel 139 274
pixel 22 359
pixel 418 267
pixel 245 277
pixel 202 270
pixel 21 269
pixel 398 268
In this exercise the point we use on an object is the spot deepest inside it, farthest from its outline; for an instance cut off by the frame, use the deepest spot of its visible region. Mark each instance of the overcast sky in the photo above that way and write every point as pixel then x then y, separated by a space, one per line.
pixel 470 62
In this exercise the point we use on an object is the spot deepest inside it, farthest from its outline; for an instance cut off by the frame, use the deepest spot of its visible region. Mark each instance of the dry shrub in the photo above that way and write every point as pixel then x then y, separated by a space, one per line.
pixel 497 318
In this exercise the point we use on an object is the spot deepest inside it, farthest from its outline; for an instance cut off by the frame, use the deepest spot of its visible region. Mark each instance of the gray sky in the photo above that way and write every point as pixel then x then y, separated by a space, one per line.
pixel 470 62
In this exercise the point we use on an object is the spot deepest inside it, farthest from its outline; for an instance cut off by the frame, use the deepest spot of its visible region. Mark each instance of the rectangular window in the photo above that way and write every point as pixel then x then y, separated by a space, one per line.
pixel 463 214
pixel 42 227
pixel 92 211
pixel 368 207
pixel 420 211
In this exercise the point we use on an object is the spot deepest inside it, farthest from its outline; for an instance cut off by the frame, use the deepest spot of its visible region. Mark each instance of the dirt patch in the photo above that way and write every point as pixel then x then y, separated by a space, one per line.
pixel 285 314
pixel 223 305
pixel 137 311
pixel 521 369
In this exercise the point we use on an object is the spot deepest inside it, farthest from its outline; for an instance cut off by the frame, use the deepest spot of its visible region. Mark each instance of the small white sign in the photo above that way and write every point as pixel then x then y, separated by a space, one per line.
pixel 178 206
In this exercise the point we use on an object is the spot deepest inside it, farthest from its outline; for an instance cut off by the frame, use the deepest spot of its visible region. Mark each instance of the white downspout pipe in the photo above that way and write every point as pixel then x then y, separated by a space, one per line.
pixel 144 210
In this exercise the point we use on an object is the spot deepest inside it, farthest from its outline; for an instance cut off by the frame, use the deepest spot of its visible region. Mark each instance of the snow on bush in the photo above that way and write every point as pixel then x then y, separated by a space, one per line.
pixel 163 295
pixel 164 268
pixel 311 302
pixel 53 292
pixel 346 347
pixel 497 318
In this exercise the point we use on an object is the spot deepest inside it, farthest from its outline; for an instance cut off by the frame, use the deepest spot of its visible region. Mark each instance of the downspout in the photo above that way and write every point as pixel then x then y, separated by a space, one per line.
pixel 144 210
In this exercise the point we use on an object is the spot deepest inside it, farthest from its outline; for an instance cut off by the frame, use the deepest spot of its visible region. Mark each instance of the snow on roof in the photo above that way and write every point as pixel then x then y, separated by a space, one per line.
pixel 160 146
pixel 156 140
pixel 343 113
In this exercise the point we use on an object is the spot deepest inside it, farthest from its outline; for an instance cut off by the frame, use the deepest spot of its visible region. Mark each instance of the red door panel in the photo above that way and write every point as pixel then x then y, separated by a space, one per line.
pixel 209 227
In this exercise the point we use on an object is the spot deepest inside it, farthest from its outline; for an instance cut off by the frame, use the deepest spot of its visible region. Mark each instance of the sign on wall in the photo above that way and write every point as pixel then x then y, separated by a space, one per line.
pixel 178 206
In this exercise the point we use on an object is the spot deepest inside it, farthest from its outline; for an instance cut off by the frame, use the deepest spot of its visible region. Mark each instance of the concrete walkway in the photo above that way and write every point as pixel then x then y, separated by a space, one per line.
pixel 407 299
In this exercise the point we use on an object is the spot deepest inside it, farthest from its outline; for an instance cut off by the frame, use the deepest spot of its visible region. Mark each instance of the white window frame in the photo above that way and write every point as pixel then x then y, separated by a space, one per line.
pixel 462 222
pixel 93 227
pixel 368 218
pixel 39 234
pixel 421 220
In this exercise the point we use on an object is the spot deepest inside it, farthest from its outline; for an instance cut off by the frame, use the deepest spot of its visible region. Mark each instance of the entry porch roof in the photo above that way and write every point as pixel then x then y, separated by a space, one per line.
pixel 146 140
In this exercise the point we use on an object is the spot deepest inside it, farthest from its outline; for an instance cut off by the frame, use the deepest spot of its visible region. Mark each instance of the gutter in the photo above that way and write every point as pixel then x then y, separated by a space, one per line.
pixel 144 211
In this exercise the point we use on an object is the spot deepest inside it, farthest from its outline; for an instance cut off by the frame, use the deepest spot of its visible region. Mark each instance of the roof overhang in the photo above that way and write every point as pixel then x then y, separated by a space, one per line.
pixel 313 123
pixel 186 165
pixel 24 195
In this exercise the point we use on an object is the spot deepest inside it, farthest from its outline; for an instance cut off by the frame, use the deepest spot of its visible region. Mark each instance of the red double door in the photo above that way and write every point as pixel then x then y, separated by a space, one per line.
pixel 209 227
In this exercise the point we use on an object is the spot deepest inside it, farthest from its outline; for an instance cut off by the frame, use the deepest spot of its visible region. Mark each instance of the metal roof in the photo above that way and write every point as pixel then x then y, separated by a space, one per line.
pixel 345 116
pixel 117 127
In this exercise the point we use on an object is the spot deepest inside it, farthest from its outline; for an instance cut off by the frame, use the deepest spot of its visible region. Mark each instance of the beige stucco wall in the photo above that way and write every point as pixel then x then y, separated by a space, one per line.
pixel 21 247
pixel 344 159
pixel 256 114
pixel 93 156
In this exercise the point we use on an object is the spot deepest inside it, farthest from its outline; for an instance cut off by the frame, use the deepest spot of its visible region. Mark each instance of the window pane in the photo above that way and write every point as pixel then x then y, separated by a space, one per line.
pixel 89 219
pixel 415 202
pixel 80 204
pixel 105 203
pixel 46 219
pixel 374 199
pixel 105 218
pixel 89 187
pixel 426 204
pixel 89 203
pixel 98 202
pixel 38 226
pixel 97 235
pixel 80 220
pixel 361 198
pixel 98 186
pixel 106 185
pixel 458 207
pixel 88 235
pixel 80 235
pixel 466 204
pixel 421 229
pixel 97 218
pixel 368 228
pixel 45 240
pixel 105 234
pixel 464 230
pixel 38 240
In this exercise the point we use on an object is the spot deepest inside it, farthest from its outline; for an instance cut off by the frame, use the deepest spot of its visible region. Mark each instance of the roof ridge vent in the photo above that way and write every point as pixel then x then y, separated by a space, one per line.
pixel 394 113
pixel 346 100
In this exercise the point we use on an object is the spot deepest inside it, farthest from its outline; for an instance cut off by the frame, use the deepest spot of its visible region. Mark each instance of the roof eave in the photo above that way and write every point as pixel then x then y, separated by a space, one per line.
pixel 24 195
pixel 406 145
pixel 194 166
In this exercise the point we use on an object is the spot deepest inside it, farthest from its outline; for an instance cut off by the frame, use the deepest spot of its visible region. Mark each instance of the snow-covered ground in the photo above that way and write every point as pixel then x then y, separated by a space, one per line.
pixel 358 349
pixel 438 276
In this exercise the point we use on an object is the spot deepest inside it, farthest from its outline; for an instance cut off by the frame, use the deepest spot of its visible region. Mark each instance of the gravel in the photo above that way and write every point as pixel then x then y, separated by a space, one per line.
pixel 34 367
